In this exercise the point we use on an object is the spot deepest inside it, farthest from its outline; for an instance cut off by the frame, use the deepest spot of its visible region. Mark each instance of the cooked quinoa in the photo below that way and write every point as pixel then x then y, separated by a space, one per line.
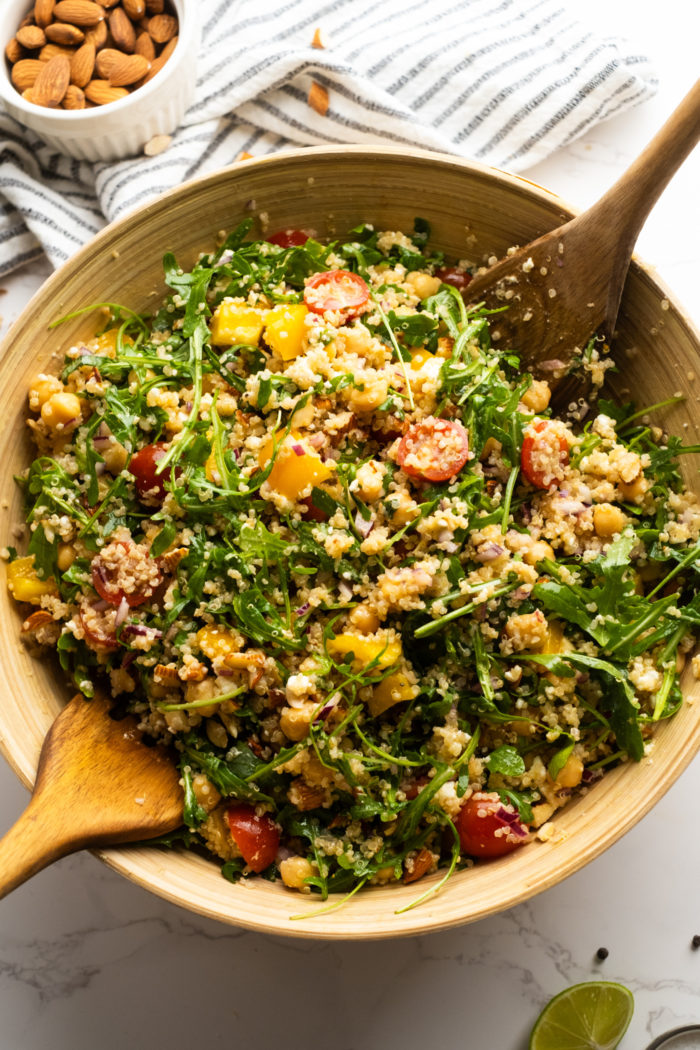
pixel 334 548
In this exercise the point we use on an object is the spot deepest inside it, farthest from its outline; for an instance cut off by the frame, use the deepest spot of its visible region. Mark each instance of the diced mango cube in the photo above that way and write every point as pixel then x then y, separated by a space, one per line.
pixel 366 648
pixel 297 466
pixel 24 584
pixel 419 358
pixel 394 689
pixel 236 325
pixel 285 329
pixel 216 641
pixel 106 343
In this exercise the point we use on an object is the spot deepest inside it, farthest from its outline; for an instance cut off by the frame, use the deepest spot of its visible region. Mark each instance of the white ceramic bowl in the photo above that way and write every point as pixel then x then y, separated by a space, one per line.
pixel 120 129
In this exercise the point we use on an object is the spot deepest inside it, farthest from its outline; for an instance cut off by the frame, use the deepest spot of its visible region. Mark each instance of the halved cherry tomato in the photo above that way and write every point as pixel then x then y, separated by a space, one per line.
pixel 97 626
pixel 544 455
pixel 434 449
pixel 289 238
pixel 150 485
pixel 489 828
pixel 104 583
pixel 336 290
pixel 451 275
pixel 257 838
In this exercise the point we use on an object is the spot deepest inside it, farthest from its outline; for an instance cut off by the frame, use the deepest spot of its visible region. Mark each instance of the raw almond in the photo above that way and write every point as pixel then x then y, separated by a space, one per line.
pixel 52 83
pixel 144 46
pixel 318 98
pixel 14 50
pixel 74 98
pixel 155 7
pixel 43 12
pixel 158 144
pixel 82 65
pixel 127 70
pixel 122 30
pixel 162 27
pixel 108 3
pixel 169 48
pixel 105 60
pixel 78 12
pixel 62 33
pixel 102 93
pixel 97 35
pixel 135 9
pixel 51 50
pixel 25 72
pixel 155 68
pixel 31 37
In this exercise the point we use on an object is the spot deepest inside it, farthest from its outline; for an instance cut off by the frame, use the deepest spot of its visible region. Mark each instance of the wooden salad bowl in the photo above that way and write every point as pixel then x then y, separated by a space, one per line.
pixel 474 212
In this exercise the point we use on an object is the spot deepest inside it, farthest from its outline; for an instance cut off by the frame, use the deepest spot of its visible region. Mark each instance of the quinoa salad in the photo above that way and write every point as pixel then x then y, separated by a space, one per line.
pixel 334 548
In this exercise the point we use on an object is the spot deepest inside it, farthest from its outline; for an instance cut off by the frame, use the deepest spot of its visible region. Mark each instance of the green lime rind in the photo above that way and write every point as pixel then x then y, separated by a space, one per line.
pixel 590 1016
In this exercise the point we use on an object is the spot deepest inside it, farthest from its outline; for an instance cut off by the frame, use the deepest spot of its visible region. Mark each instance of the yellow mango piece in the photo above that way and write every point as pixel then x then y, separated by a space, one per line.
pixel 106 344
pixel 216 641
pixel 366 647
pixel 285 329
pixel 419 357
pixel 393 689
pixel 236 325
pixel 555 642
pixel 297 466
pixel 24 584
pixel 211 470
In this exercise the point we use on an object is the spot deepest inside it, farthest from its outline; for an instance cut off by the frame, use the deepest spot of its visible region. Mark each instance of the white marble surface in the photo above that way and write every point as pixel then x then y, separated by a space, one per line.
pixel 87 960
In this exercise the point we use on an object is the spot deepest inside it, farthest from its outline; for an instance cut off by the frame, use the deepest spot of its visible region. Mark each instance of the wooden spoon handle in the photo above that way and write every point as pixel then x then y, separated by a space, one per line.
pixel 623 210
pixel 32 843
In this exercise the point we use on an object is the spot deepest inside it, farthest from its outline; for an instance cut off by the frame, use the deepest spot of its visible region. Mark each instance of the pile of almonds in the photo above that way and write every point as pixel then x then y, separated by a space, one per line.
pixel 76 54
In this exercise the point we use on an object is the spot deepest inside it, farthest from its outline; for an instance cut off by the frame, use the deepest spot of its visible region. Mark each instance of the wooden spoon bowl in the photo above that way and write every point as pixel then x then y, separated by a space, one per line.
pixel 475 212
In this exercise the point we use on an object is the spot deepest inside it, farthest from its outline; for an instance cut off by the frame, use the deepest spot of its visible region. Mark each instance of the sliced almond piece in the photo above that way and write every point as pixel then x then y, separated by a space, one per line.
pixel 43 12
pixel 25 72
pixel 158 144
pixel 102 93
pixel 318 40
pixel 82 65
pixel 14 50
pixel 162 28
pixel 78 12
pixel 51 50
pixel 63 33
pixel 318 98
pixel 52 83
pixel 244 155
pixel 145 46
pixel 105 59
pixel 74 98
pixel 97 35
pixel 135 9
pixel 31 37
pixel 127 70
pixel 122 30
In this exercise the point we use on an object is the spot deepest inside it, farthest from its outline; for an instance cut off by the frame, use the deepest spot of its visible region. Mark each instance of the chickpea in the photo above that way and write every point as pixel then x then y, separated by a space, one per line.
pixel 295 721
pixel 537 551
pixel 490 445
pixel 115 457
pixel 66 556
pixel 608 520
pixel 294 870
pixel 216 733
pixel 205 690
pixel 41 389
pixel 363 619
pixel 422 284
pixel 375 391
pixel 536 398
pixel 205 792
pixel 369 481
pixel 569 776
pixel 62 410
pixel 634 491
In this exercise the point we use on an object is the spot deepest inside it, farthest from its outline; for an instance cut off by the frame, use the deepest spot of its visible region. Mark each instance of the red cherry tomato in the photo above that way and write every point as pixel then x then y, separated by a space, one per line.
pixel 257 838
pixel 451 275
pixel 336 290
pixel 544 455
pixel 98 626
pixel 311 512
pixel 434 449
pixel 489 828
pixel 289 238
pixel 104 582
pixel 143 464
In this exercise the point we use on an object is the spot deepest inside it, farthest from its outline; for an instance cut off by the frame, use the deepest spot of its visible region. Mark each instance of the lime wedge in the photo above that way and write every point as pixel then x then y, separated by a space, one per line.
pixel 591 1016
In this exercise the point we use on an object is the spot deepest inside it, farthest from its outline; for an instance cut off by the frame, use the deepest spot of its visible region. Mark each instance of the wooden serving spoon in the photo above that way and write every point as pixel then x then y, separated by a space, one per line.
pixel 565 286
pixel 97 785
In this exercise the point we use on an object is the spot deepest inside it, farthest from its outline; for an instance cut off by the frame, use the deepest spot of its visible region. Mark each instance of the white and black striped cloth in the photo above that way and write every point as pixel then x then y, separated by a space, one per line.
pixel 503 81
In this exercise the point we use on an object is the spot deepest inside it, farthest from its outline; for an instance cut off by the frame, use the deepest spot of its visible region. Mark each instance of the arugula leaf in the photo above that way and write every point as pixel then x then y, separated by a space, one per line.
pixel 506 760
pixel 223 775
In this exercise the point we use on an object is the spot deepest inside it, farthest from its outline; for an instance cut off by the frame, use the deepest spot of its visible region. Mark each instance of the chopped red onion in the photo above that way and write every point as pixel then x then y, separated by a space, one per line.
pixel 142 631
pixel 515 826
pixel 489 552
pixel 298 450
pixel 303 609
pixel 122 612
pixel 552 366
pixel 345 591
pixel 364 527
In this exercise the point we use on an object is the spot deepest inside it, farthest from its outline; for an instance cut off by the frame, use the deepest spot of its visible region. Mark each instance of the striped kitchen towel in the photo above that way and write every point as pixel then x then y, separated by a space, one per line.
pixel 503 81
